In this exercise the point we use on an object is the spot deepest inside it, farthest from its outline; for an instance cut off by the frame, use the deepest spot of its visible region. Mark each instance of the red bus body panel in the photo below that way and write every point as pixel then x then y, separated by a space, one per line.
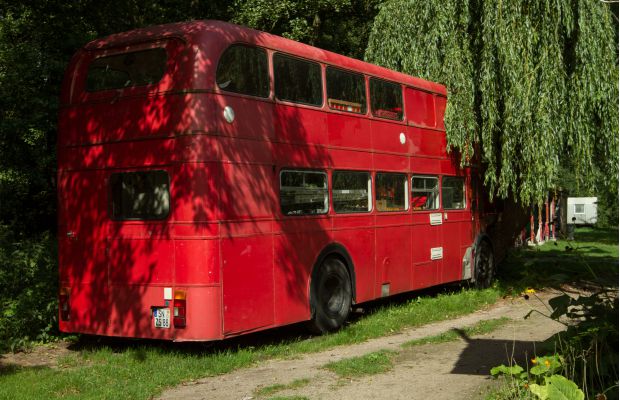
pixel 242 265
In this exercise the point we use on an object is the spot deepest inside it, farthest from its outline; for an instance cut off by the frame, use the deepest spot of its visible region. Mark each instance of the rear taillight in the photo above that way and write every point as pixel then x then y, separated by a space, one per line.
pixel 180 309
pixel 64 304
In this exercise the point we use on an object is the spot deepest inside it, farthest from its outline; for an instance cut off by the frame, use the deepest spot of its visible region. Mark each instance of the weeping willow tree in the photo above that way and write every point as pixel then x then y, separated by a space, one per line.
pixel 532 84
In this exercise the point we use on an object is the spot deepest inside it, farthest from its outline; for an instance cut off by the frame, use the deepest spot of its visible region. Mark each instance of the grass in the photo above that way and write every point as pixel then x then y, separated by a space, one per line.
pixel 141 370
pixel 480 328
pixel 269 390
pixel 369 364
pixel 591 258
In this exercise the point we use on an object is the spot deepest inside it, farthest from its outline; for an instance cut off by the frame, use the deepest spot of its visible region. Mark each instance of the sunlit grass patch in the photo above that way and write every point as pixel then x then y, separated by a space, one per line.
pixel 271 389
pixel 369 364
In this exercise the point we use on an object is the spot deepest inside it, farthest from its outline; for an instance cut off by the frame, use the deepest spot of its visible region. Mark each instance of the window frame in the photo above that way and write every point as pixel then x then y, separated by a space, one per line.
pixel 268 71
pixel 462 178
pixel 436 177
pixel 370 184
pixel 406 189
pixel 301 59
pixel 327 190
pixel 110 200
pixel 370 98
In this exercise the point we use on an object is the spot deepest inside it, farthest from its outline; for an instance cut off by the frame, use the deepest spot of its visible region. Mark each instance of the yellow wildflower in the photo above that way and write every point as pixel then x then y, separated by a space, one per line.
pixel 534 361
pixel 530 290
pixel 547 363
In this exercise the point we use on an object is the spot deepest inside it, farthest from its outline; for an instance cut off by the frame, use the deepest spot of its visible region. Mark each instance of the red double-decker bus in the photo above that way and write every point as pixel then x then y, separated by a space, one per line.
pixel 215 180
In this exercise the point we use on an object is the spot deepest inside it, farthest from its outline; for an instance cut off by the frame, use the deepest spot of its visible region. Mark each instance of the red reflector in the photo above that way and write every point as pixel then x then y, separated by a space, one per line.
pixel 179 313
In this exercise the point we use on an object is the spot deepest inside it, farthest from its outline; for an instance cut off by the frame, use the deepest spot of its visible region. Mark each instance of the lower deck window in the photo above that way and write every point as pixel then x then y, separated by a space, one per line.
pixel 453 192
pixel 139 195
pixel 351 191
pixel 424 193
pixel 303 192
pixel 391 192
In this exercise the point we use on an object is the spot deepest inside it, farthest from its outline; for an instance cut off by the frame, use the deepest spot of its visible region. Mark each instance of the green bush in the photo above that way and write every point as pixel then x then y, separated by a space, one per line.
pixel 28 288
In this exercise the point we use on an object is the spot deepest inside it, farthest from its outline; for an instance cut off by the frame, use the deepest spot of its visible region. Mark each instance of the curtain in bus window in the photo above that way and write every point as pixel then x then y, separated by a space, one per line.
pixel 346 91
pixel 386 99
pixel 351 191
pixel 391 192
pixel 424 193
pixel 139 195
pixel 297 80
pixel 243 69
pixel 303 192
pixel 453 192
pixel 119 71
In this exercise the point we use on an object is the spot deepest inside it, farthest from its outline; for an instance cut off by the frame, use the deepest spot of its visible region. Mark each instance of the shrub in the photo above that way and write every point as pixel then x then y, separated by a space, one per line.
pixel 28 288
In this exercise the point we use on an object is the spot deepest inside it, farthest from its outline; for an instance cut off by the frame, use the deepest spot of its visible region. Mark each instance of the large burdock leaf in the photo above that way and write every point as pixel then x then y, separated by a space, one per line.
pixel 560 388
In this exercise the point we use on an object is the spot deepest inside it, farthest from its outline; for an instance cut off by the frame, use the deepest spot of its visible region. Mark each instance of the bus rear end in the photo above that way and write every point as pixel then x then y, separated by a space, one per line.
pixel 137 255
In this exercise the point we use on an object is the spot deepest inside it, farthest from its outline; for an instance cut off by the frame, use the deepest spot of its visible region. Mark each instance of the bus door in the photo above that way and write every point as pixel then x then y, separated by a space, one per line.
pixel 457 223
pixel 426 231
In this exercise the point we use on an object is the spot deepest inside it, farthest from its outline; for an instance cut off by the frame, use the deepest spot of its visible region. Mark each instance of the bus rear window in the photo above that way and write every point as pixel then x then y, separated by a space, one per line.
pixel 139 195
pixel 138 68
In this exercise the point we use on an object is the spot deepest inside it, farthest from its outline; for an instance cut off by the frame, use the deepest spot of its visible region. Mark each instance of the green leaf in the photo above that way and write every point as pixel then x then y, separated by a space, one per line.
pixel 502 369
pixel 560 388
pixel 540 391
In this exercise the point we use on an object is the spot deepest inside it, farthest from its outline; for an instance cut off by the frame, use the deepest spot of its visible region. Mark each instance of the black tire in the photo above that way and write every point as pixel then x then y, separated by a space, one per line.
pixel 330 296
pixel 485 264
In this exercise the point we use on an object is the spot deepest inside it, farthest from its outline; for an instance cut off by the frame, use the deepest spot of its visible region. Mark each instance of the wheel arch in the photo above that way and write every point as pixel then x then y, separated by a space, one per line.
pixel 483 236
pixel 331 250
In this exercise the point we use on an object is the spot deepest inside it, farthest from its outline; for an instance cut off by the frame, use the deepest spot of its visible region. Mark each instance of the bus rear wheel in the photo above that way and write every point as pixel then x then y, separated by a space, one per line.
pixel 331 296
pixel 485 267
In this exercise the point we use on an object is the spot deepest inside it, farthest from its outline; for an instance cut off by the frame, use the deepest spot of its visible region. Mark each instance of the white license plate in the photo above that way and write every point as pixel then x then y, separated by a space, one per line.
pixel 161 317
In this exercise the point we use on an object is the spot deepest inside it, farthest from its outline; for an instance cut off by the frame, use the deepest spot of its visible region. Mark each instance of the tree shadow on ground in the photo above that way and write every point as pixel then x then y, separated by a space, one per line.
pixel 481 355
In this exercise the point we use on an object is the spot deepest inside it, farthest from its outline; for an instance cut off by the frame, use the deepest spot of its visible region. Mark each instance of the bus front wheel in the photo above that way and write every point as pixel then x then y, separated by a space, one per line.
pixel 331 296
pixel 485 267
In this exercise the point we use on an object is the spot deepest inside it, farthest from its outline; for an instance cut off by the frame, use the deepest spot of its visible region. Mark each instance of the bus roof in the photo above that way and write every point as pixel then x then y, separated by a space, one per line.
pixel 210 31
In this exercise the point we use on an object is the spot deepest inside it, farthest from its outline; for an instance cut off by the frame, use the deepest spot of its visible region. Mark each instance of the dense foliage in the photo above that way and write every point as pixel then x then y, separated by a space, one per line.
pixel 532 84
pixel 341 26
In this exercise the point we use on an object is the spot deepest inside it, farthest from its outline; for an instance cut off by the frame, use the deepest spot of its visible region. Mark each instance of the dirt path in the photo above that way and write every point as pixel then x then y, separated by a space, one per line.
pixel 453 370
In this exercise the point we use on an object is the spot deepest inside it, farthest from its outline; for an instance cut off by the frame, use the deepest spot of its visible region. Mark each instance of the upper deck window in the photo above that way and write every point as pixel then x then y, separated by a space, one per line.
pixel 243 69
pixel 346 91
pixel 386 99
pixel 297 80
pixel 138 68
pixel 139 195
